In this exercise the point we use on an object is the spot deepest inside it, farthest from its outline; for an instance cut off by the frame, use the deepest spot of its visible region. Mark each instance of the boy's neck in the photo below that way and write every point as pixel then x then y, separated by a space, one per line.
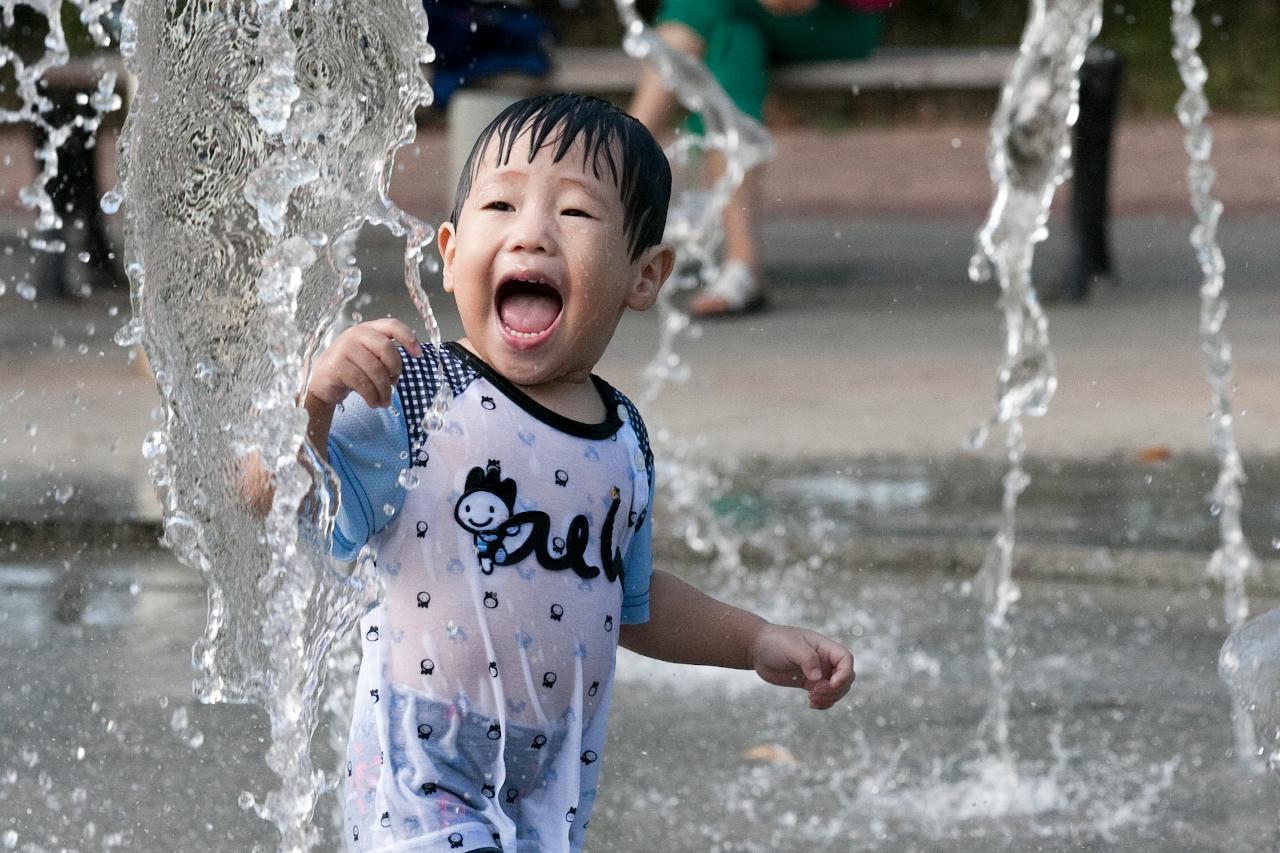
pixel 572 396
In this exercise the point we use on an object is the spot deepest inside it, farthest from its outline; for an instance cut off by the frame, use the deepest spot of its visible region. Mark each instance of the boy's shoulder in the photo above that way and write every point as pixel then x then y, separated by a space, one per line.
pixel 629 413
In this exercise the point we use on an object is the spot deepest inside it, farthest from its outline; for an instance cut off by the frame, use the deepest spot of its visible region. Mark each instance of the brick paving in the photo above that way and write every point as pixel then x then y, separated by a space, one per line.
pixel 927 168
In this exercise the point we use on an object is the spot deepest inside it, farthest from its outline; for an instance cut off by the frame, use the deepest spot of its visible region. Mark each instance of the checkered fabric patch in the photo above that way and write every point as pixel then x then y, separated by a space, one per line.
pixel 637 424
pixel 420 382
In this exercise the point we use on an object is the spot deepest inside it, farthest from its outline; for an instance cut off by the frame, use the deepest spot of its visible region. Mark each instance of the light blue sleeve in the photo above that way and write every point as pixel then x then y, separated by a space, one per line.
pixel 637 569
pixel 368 448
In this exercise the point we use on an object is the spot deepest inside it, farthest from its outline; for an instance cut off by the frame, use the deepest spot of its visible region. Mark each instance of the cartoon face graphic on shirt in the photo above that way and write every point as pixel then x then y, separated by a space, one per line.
pixel 504 537
pixel 485 507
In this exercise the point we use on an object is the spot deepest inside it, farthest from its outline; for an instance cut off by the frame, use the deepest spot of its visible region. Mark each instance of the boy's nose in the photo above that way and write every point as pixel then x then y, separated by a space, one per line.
pixel 531 232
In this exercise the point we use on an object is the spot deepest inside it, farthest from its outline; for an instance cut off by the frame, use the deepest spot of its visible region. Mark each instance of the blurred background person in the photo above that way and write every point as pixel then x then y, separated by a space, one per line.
pixel 738 40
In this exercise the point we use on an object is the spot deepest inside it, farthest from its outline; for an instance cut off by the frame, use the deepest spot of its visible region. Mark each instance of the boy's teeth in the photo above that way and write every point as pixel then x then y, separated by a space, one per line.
pixel 517 334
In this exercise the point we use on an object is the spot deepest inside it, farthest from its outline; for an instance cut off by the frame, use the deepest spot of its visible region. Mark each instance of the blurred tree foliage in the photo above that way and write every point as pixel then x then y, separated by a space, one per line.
pixel 1241 43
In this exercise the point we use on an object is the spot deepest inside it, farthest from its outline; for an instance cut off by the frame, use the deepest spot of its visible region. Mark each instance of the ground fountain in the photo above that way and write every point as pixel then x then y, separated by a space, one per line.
pixel 260 141
pixel 263 174
pixel 1233 562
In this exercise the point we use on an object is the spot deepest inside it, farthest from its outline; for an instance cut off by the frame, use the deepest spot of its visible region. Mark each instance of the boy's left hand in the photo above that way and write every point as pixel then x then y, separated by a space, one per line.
pixel 797 657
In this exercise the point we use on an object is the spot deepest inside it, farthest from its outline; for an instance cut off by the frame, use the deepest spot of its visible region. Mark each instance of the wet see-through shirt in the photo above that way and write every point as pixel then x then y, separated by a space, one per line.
pixel 487 668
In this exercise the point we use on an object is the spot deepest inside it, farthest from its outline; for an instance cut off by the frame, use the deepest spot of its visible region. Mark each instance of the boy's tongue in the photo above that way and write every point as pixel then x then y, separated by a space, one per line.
pixel 528 309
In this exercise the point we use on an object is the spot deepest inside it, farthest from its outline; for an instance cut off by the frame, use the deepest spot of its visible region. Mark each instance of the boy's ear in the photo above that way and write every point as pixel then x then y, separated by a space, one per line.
pixel 446 242
pixel 655 265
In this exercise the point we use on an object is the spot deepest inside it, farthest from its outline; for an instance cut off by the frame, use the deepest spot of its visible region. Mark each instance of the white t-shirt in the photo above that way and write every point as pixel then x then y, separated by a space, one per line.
pixel 487 670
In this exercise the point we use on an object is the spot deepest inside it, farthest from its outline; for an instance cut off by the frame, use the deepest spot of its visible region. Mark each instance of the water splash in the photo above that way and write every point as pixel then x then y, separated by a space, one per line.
pixel 1233 562
pixel 694 222
pixel 1028 158
pixel 1247 663
pixel 37 109
pixel 261 140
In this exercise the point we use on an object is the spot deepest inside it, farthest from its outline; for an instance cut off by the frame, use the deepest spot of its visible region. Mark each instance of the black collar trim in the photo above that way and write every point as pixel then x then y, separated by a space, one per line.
pixel 605 429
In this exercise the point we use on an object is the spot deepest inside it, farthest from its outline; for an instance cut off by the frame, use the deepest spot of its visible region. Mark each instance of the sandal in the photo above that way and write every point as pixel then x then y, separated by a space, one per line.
pixel 734 292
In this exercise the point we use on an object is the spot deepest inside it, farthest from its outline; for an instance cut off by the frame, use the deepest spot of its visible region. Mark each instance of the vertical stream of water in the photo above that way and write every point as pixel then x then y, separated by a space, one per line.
pixel 694 222
pixel 260 141
pixel 1028 158
pixel 1233 562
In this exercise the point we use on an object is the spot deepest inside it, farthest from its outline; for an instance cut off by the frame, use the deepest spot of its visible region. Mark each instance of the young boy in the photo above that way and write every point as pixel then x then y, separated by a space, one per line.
pixel 521 559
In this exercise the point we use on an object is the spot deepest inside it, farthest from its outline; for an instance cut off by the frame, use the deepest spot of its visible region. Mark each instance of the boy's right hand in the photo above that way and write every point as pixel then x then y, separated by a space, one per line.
pixel 363 359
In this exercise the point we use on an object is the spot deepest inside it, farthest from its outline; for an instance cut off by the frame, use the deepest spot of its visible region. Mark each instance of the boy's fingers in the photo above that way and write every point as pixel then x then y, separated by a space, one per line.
pixel 384 349
pixel 844 670
pixel 357 380
pixel 368 370
pixel 812 665
pixel 399 332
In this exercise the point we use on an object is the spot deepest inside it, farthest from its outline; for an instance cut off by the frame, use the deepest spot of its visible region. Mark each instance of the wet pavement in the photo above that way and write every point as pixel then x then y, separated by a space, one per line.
pixel 1119 722
pixel 833 425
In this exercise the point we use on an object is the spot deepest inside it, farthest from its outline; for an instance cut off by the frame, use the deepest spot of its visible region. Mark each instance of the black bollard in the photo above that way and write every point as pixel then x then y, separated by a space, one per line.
pixel 1100 78
pixel 74 191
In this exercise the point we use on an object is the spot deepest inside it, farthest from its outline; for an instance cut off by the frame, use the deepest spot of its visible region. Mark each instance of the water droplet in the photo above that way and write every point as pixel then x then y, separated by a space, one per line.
pixel 79 753
pixel 1275 543
pixel 62 494
pixel 408 479
pixel 26 290
pixel 84 257
pixel 10 840
pixel 32 429
pixel 111 201
pixel 178 722
pixel 389 509
pixel 130 334
pixel 246 800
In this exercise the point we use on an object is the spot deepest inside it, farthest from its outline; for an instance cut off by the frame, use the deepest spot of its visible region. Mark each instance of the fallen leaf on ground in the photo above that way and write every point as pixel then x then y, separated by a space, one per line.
pixel 1155 453
pixel 772 753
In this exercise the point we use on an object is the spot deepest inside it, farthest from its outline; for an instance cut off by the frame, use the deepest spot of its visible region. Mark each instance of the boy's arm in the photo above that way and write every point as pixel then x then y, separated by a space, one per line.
pixel 319 422
pixel 362 359
pixel 254 481
pixel 688 626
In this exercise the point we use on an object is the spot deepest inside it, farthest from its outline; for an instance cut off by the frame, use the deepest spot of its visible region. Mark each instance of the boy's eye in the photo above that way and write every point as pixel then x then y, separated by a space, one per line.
pixel 574 211
pixel 498 205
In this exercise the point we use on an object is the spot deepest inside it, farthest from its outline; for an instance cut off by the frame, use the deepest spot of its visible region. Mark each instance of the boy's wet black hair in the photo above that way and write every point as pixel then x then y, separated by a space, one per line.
pixel 630 153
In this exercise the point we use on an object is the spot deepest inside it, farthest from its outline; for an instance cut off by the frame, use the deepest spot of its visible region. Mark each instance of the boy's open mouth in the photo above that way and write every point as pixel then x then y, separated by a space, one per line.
pixel 528 306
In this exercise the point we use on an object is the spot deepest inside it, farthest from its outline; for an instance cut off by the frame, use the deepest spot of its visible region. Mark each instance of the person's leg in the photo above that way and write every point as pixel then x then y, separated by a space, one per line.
pixel 652 103
pixel 829 31
pixel 737 56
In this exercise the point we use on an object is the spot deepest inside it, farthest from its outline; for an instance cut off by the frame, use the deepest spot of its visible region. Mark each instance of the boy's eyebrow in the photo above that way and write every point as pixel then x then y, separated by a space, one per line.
pixel 592 188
